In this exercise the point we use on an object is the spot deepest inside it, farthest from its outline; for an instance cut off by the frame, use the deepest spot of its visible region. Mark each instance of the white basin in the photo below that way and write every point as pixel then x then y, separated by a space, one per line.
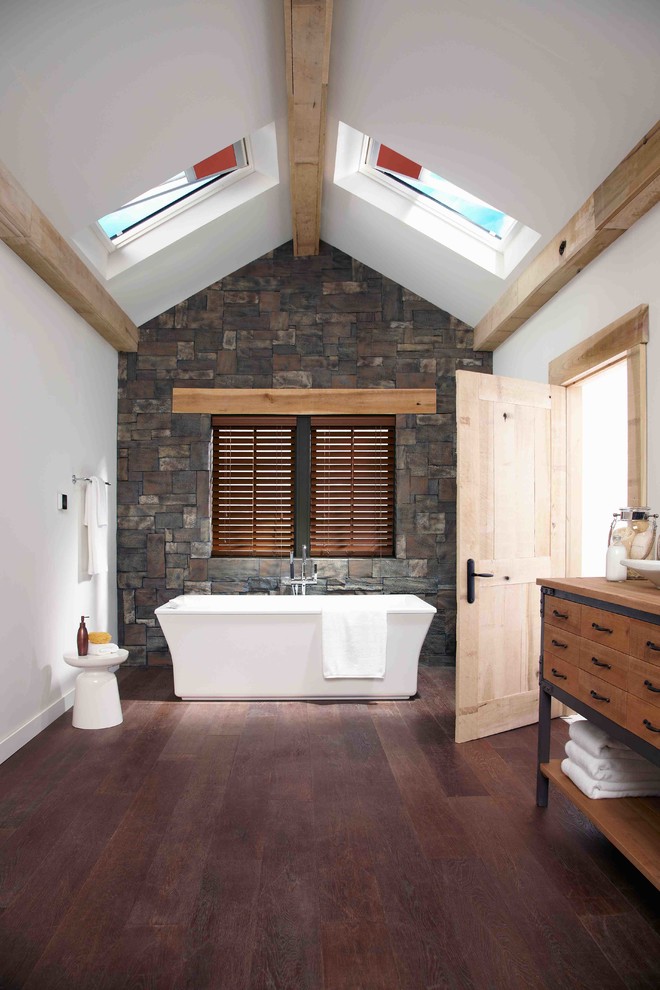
pixel 650 569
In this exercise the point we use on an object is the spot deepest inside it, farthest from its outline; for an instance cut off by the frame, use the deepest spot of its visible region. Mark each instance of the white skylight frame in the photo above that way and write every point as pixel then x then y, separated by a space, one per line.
pixel 499 257
pixel 213 203
pixel 212 188
pixel 369 146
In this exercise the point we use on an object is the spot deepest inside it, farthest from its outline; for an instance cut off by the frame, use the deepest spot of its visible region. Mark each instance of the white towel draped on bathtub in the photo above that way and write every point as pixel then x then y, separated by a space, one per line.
pixel 96 520
pixel 354 640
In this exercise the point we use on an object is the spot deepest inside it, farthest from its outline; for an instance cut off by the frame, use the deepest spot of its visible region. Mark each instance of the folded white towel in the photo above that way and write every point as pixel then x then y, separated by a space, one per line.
pixel 611 769
pixel 605 788
pixel 98 649
pixel 598 743
pixel 96 520
pixel 355 641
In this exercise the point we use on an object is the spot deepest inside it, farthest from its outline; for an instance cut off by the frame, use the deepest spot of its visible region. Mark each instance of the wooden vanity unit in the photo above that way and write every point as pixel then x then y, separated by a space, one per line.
pixel 601 656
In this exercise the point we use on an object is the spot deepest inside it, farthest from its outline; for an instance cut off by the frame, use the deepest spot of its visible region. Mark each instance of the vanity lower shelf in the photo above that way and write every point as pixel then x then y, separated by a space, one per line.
pixel 631 824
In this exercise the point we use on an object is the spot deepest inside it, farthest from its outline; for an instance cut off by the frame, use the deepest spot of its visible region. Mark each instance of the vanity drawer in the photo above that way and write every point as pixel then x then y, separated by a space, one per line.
pixel 564 615
pixel 644 720
pixel 564 675
pixel 605 627
pixel 602 697
pixel 644 681
pixel 561 644
pixel 609 665
pixel 645 641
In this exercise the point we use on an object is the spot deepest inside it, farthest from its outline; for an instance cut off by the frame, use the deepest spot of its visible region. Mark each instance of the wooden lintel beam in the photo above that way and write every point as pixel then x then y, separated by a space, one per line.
pixel 30 235
pixel 601 349
pixel 629 192
pixel 308 25
pixel 304 401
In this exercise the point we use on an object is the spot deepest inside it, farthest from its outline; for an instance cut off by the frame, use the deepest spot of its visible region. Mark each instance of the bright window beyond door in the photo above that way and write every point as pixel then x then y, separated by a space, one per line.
pixel 604 460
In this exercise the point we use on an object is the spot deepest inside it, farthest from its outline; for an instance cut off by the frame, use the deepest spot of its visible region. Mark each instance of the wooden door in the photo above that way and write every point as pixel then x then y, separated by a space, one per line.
pixel 511 520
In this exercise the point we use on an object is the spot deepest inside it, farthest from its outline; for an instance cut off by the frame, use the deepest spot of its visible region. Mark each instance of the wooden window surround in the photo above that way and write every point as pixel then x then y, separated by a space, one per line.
pixel 281 481
pixel 624 339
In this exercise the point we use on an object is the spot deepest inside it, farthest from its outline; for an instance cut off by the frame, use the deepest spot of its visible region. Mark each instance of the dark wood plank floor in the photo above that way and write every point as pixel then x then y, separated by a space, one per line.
pixel 309 847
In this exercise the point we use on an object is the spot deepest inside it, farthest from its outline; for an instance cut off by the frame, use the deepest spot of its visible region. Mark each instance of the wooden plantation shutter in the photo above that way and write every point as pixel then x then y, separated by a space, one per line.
pixel 252 491
pixel 352 486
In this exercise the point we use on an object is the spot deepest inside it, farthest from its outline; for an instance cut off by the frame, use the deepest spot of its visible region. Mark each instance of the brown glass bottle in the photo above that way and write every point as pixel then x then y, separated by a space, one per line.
pixel 83 637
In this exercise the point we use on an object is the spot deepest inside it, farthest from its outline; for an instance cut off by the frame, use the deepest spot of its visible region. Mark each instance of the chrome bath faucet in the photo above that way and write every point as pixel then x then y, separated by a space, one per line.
pixel 298 585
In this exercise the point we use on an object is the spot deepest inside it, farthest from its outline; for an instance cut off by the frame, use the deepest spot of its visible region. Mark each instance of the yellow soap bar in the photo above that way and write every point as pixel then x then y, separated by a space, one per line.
pixel 99 637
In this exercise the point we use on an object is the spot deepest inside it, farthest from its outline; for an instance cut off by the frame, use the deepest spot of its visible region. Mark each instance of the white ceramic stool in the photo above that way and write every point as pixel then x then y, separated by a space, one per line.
pixel 96 704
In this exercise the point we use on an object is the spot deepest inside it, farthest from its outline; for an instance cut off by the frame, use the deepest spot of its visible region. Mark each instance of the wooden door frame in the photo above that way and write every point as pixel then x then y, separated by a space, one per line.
pixel 624 339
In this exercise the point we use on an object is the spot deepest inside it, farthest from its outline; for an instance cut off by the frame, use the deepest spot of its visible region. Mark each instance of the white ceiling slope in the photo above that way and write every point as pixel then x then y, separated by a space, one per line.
pixel 529 104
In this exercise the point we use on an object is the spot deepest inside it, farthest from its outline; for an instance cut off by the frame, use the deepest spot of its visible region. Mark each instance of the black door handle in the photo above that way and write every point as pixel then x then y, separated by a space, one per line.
pixel 471 575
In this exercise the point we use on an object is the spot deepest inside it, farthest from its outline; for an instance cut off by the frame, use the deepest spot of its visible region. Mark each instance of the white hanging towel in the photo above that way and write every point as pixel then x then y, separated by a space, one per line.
pixel 354 641
pixel 96 520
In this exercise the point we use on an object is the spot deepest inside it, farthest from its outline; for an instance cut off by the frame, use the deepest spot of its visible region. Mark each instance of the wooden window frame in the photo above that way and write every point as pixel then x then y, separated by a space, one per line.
pixel 624 339
pixel 303 484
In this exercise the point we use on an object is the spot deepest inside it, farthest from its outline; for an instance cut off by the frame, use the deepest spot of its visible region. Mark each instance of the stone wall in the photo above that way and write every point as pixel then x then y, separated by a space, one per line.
pixel 323 322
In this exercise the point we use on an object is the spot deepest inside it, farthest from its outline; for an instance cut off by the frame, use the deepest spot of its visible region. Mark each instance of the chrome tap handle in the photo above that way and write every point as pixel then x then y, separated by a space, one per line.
pixel 304 560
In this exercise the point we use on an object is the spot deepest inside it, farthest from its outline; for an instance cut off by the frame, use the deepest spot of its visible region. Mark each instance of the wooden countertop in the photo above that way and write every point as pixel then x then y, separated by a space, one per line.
pixel 640 595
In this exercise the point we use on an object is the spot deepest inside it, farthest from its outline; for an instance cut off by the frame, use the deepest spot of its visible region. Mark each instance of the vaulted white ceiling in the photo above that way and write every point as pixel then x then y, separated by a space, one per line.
pixel 528 104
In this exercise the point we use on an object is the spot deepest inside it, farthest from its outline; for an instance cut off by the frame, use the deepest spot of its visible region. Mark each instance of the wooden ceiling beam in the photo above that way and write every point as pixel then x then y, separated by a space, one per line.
pixel 308 25
pixel 30 235
pixel 629 192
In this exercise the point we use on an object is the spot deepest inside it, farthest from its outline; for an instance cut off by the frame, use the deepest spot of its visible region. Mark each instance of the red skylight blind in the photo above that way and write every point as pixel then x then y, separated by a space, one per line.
pixel 392 161
pixel 221 161
pixel 252 492
pixel 352 486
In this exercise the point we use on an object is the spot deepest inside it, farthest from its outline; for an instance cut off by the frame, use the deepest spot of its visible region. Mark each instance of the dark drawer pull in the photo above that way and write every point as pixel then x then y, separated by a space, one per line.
pixel 594 625
pixel 563 677
pixel 649 685
pixel 599 697
pixel 650 726
pixel 560 615
pixel 652 646
pixel 599 663
pixel 561 646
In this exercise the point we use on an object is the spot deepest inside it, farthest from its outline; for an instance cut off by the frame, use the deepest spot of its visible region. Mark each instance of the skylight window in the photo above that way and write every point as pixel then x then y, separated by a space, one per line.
pixel 150 206
pixel 465 208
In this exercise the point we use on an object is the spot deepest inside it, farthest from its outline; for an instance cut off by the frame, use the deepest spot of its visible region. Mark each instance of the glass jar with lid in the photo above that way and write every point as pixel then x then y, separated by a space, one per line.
pixel 635 527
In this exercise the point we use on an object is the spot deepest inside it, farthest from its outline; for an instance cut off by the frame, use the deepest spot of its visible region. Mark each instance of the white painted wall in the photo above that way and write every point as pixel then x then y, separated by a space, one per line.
pixel 58 408
pixel 626 275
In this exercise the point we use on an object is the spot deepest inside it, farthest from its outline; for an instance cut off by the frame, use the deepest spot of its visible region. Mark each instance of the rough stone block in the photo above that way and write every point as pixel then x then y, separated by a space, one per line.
pixel 142 458
pixel 168 520
pixel 200 549
pixel 198 569
pixel 134 635
pixel 175 577
pixel 156 555
pixel 156 482
pixel 131 560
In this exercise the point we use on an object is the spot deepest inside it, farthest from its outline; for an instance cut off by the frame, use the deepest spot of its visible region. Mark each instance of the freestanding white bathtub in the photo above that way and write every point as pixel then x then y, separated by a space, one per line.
pixel 259 647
